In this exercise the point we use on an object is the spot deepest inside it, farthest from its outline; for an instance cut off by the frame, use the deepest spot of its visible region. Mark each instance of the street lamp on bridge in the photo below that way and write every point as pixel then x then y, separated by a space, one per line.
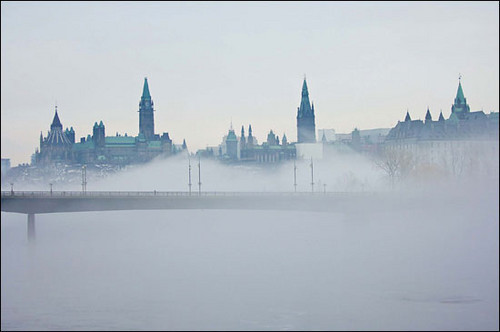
pixel 50 184
pixel 189 184
pixel 12 188
pixel 294 176
pixel 312 176
pixel 199 175
pixel 84 178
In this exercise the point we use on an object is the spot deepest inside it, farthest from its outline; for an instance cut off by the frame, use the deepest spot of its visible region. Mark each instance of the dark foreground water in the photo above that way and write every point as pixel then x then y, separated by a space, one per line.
pixel 407 268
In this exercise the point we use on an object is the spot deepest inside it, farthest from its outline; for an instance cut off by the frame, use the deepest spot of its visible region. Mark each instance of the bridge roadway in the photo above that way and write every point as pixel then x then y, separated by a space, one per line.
pixel 35 202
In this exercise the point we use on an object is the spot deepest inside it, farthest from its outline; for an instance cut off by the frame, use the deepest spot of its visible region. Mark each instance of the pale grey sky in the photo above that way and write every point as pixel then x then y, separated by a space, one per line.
pixel 210 62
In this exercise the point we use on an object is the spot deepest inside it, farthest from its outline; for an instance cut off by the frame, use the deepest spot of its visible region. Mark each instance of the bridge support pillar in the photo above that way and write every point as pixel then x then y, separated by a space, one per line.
pixel 31 227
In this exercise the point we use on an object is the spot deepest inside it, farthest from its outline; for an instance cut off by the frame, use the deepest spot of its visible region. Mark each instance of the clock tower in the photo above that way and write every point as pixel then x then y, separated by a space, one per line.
pixel 146 116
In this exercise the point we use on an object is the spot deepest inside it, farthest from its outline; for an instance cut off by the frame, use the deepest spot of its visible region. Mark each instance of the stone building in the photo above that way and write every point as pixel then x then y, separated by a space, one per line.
pixel 462 141
pixel 306 128
pixel 60 147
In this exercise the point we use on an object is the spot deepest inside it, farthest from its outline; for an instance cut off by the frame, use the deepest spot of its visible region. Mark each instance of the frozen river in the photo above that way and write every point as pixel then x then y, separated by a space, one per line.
pixel 417 268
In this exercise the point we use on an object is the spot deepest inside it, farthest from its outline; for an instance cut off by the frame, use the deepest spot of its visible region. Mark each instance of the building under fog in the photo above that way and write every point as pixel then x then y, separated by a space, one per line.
pixel 60 147
pixel 464 138
pixel 246 149
pixel 306 127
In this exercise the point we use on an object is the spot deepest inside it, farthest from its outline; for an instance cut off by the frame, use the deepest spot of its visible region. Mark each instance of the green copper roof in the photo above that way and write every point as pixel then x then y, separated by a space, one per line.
pixel 119 141
pixel 305 105
pixel 460 99
pixel 231 136
pixel 145 90
pixel 83 146
pixel 154 144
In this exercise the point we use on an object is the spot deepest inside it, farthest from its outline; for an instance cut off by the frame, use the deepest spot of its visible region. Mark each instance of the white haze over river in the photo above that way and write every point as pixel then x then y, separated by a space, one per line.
pixel 429 262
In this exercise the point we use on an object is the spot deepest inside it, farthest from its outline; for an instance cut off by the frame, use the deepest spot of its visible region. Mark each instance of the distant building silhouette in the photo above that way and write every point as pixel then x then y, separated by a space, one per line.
pixel 306 128
pixel 454 143
pixel 461 125
pixel 240 149
pixel 60 147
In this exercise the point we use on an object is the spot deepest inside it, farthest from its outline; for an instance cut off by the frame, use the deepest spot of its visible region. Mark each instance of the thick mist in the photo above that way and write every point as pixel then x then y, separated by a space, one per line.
pixel 425 259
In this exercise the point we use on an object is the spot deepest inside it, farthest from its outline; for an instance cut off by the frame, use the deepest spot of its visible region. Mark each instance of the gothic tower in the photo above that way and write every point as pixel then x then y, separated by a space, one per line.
pixel 306 129
pixel 460 107
pixel 146 116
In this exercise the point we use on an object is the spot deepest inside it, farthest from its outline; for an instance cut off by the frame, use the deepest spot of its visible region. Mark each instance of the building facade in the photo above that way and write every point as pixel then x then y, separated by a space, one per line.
pixel 306 128
pixel 465 141
pixel 60 147
pixel 246 149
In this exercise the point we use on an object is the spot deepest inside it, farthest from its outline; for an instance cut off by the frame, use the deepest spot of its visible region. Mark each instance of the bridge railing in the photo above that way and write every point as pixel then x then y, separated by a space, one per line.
pixel 111 194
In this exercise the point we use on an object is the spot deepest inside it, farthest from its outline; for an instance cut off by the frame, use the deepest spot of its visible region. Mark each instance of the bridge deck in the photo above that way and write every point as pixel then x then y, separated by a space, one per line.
pixel 32 202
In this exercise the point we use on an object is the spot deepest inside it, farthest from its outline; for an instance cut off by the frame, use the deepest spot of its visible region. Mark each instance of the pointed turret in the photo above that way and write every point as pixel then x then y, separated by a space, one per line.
pixel 184 145
pixel 460 107
pixel 441 117
pixel 428 117
pixel 407 118
pixel 250 137
pixel 284 141
pixel 242 138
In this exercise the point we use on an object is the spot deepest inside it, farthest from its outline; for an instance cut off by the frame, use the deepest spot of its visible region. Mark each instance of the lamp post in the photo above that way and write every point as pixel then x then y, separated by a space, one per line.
pixel 189 184
pixel 12 189
pixel 199 175
pixel 294 176
pixel 324 188
pixel 312 176
pixel 84 179
pixel 50 189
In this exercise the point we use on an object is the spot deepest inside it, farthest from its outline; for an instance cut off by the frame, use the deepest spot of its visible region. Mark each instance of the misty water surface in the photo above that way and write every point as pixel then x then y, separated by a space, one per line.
pixel 428 260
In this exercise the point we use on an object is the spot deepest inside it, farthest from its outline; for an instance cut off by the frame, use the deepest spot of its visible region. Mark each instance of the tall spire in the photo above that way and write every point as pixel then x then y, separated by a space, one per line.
pixel 305 106
pixel 145 90
pixel 56 122
pixel 460 99
pixel 460 107
pixel 146 116
pixel 305 118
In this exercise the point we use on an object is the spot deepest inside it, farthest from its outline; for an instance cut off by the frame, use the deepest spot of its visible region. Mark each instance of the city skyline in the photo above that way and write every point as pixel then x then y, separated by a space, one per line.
pixel 210 64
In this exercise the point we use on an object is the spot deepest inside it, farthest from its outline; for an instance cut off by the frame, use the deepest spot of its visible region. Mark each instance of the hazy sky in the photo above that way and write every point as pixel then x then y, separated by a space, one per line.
pixel 209 63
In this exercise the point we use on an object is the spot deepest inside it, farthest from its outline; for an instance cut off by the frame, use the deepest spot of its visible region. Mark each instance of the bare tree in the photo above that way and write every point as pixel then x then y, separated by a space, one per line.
pixel 395 163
